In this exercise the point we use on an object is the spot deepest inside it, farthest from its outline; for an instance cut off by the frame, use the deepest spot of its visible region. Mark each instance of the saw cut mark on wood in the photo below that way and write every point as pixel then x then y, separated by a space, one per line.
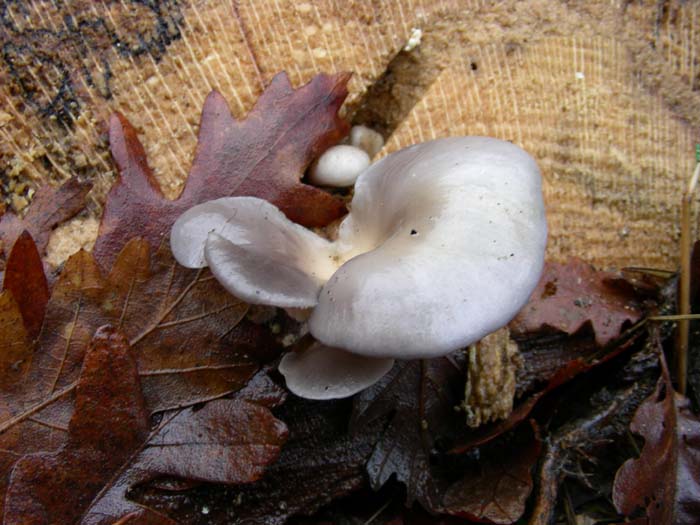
pixel 600 93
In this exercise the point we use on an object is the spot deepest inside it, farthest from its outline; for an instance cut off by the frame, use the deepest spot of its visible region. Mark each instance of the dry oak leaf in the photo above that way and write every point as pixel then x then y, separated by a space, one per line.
pixel 50 207
pixel 496 486
pixel 262 156
pixel 183 327
pixel 665 479
pixel 111 447
pixel 574 293
pixel 419 397
pixel 31 419
pixel 320 462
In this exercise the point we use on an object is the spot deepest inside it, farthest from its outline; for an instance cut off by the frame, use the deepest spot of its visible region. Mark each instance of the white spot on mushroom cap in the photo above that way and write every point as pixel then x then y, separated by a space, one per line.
pixel 321 372
pixel 476 206
pixel 339 166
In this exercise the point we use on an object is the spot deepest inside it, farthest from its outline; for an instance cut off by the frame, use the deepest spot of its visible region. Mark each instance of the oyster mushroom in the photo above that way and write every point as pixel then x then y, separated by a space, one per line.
pixel 443 245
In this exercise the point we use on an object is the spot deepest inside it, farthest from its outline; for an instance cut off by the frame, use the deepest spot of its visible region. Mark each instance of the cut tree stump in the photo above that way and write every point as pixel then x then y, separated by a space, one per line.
pixel 603 94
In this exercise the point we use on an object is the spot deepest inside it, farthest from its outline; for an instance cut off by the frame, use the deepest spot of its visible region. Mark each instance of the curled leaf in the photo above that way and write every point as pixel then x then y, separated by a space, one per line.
pixel 665 480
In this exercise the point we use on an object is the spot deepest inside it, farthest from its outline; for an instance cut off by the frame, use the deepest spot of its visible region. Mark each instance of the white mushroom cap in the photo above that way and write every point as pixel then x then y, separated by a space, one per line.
pixel 255 252
pixel 339 166
pixel 445 242
pixel 321 372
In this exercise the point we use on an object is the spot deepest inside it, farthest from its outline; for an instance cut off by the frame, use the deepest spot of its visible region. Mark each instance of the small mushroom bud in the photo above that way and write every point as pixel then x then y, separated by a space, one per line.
pixel 339 166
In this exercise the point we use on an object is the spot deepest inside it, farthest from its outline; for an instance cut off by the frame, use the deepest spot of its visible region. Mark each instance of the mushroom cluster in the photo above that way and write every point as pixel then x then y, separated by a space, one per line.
pixel 443 245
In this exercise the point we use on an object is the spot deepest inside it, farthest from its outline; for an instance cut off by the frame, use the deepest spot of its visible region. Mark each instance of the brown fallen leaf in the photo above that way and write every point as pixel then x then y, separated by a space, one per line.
pixel 183 327
pixel 15 346
pixel 574 293
pixel 665 480
pixel 262 156
pixel 110 421
pixel 15 357
pixel 51 206
pixel 319 463
pixel 495 487
pixel 420 397
pixel 25 279
pixel 38 376
pixel 110 447
pixel 22 307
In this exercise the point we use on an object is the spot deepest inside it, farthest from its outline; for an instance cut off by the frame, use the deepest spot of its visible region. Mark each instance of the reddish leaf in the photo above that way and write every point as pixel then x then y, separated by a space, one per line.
pixel 495 488
pixel 25 279
pixel 262 156
pixel 572 294
pixel 320 462
pixel 36 384
pixel 109 422
pixel 420 396
pixel 109 447
pixel 665 479
pixel 15 347
pixel 51 206
pixel 184 329
pixel 227 441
